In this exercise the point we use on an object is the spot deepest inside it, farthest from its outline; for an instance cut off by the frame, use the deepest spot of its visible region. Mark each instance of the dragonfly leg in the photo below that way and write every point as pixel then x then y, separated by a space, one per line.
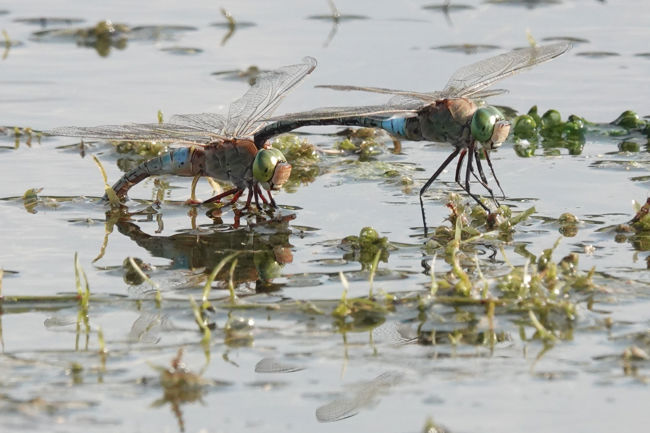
pixel 258 193
pixel 192 199
pixel 469 170
pixel 483 180
pixel 235 197
pixel 224 194
pixel 250 197
pixel 481 175
pixel 459 166
pixel 486 153
pixel 431 180
pixel 271 201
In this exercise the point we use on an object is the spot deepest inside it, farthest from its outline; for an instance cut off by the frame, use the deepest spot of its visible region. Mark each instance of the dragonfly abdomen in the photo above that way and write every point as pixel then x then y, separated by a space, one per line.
pixel 185 161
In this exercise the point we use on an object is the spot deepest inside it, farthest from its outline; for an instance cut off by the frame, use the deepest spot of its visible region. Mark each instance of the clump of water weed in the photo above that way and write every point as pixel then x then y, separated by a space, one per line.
pixel 297 150
pixel 359 314
pixel 362 142
pixel 543 290
pixel 469 222
pixel 303 157
pixel 553 133
pixel 366 246
pixel 550 130
pixel 25 134
pixel 637 230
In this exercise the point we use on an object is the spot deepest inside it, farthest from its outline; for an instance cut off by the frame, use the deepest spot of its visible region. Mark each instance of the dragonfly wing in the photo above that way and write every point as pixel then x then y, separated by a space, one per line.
pixel 482 94
pixel 200 122
pixel 136 132
pixel 469 80
pixel 326 113
pixel 426 97
pixel 408 102
pixel 265 95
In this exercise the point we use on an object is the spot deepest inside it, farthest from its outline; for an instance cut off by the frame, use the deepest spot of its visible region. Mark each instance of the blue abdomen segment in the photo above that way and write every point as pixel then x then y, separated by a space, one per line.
pixel 175 162
pixel 394 125
pixel 184 161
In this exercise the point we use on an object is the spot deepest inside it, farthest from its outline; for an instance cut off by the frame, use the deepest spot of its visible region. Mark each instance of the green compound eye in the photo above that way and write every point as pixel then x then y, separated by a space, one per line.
pixel 483 123
pixel 265 162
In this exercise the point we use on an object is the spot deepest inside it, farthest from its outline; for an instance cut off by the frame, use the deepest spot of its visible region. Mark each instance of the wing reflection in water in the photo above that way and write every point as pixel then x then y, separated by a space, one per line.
pixel 365 395
pixel 262 253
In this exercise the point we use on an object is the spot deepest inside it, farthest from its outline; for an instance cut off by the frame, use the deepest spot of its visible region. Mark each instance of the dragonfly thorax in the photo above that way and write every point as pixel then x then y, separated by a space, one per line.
pixel 231 161
pixel 447 121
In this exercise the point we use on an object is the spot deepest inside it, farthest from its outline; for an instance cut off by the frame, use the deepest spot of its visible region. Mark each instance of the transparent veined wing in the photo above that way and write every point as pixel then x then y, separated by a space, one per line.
pixel 244 117
pixel 201 121
pixel 165 132
pixel 245 114
pixel 401 104
pixel 415 95
pixel 409 100
pixel 326 113
pixel 471 79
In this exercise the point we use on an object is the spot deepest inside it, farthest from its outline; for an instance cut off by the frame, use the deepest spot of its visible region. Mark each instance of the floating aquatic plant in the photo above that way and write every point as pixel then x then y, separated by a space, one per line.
pixel 108 190
pixel 367 248
pixel 239 331
pixel 359 314
pixel 208 284
pixel 552 133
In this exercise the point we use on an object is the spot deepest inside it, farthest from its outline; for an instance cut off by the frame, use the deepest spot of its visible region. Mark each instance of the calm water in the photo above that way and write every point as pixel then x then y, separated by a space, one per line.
pixel 50 371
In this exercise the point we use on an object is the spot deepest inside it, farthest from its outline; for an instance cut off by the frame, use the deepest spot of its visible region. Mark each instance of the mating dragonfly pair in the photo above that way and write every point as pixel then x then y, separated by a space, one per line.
pixel 235 148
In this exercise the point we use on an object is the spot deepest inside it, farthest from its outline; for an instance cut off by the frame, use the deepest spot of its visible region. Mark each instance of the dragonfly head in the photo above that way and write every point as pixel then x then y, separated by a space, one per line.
pixel 271 169
pixel 490 127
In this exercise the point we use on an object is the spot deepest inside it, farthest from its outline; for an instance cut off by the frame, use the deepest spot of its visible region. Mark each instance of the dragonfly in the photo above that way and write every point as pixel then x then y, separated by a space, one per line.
pixel 221 147
pixel 453 115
